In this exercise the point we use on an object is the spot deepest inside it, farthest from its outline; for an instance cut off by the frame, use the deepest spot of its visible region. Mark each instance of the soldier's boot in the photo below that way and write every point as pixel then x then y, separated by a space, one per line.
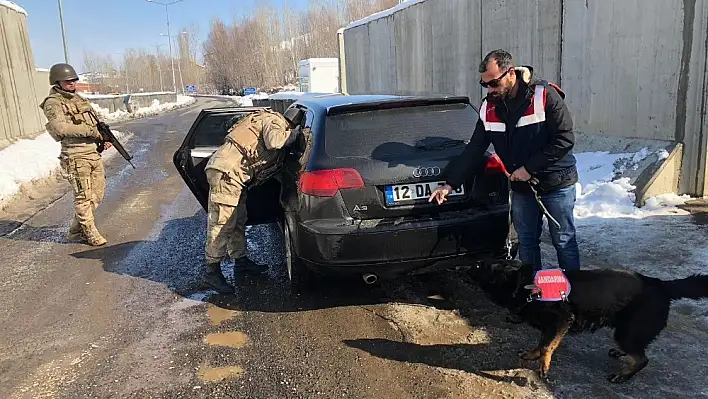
pixel 94 238
pixel 248 266
pixel 213 278
pixel 75 233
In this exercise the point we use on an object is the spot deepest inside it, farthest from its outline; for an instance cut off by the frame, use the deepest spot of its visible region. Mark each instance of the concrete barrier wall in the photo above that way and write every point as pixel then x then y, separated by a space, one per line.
pixel 20 115
pixel 117 102
pixel 630 69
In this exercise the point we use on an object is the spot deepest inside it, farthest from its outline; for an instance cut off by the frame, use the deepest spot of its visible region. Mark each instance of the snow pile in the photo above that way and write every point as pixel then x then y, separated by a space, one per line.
pixel 141 112
pixel 44 153
pixel 259 96
pixel 13 6
pixel 92 96
pixel 600 194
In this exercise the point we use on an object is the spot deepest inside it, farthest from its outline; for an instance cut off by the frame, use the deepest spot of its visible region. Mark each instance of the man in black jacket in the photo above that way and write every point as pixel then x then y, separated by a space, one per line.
pixel 531 129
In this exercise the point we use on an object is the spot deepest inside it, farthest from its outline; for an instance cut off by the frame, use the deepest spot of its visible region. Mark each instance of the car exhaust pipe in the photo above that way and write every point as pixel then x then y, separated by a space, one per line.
pixel 370 278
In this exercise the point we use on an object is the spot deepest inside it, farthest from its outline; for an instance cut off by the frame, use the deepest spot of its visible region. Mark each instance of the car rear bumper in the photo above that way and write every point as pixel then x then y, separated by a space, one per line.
pixel 396 246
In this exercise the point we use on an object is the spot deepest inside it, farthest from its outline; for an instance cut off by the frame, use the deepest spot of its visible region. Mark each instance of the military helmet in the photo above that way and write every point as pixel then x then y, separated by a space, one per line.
pixel 59 72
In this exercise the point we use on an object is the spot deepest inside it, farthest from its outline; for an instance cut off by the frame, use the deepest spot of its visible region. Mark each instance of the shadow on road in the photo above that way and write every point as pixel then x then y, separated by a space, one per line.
pixel 471 358
pixel 174 258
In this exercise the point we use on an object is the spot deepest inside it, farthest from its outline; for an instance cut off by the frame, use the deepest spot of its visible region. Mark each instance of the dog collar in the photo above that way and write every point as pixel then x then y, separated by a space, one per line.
pixel 549 285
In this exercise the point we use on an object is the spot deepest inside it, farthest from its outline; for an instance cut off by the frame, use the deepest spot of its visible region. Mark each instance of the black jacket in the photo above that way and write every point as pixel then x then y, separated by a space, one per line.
pixel 545 148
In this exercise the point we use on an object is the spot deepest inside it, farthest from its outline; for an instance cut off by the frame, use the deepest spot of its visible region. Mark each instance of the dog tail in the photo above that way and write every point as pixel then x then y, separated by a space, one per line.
pixel 693 287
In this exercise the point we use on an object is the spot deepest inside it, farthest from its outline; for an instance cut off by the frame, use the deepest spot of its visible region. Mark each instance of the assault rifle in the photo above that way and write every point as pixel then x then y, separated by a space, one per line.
pixel 108 136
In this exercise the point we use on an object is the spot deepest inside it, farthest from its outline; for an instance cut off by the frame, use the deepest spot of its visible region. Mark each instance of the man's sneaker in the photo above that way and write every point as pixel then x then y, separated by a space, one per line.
pixel 248 266
pixel 213 278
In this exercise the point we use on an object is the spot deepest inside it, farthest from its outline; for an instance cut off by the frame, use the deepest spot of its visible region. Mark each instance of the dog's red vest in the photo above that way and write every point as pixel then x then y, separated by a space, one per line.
pixel 550 285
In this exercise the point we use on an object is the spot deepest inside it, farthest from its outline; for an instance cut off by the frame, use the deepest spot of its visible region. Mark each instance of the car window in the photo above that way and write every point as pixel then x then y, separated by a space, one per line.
pixel 381 134
pixel 211 130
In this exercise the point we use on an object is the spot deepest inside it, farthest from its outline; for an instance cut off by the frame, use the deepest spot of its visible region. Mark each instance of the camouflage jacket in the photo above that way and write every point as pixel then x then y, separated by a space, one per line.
pixel 69 121
pixel 253 149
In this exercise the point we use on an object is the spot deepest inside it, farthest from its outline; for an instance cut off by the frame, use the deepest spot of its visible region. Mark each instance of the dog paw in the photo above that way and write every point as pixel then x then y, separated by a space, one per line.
pixel 616 353
pixel 617 378
pixel 543 374
pixel 530 354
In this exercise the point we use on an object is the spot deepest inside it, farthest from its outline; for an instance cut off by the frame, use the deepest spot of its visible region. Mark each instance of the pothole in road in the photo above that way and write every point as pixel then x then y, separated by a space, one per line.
pixel 231 339
pixel 216 374
pixel 219 315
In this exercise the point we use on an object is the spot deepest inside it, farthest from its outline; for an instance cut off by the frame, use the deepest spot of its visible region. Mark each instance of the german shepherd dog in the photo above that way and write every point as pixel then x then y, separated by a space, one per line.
pixel 636 306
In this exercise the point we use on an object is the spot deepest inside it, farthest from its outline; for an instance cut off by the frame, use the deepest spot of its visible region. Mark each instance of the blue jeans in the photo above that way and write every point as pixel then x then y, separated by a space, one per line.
pixel 527 218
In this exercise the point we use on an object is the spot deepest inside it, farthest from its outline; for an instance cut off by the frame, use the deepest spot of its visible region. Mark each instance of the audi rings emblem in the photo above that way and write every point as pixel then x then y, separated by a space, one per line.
pixel 426 171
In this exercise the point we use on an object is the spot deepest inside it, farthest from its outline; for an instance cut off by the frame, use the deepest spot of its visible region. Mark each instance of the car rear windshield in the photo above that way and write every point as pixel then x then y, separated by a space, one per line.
pixel 396 132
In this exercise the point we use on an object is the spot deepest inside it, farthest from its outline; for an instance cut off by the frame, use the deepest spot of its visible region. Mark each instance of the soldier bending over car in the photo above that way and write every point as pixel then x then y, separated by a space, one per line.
pixel 253 152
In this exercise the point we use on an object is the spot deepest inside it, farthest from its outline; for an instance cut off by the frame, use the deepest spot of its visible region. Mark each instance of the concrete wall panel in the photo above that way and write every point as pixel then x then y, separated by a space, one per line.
pixel 430 47
pixel 530 30
pixel 620 66
pixel 20 115
pixel 691 123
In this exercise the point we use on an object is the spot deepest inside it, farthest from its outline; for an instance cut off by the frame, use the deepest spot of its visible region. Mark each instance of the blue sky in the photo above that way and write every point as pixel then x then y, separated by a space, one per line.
pixel 108 26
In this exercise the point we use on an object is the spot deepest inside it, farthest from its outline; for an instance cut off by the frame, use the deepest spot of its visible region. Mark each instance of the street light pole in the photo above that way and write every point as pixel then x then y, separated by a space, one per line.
pixel 63 33
pixel 179 62
pixel 167 14
pixel 169 40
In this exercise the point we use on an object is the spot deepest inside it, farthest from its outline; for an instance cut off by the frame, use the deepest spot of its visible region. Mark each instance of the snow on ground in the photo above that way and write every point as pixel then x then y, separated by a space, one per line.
pixel 140 112
pixel 12 6
pixel 44 153
pixel 286 95
pixel 93 96
pixel 246 101
pixel 599 195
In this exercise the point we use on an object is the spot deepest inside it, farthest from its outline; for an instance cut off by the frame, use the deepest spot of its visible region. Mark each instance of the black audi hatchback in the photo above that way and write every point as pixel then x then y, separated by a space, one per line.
pixel 354 192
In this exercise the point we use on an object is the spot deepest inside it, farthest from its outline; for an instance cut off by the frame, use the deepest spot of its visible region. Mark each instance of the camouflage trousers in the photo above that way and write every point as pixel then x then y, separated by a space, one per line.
pixel 88 181
pixel 226 219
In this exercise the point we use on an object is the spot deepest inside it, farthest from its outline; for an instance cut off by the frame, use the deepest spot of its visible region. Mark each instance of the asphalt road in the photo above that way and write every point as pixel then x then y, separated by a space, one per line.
pixel 129 319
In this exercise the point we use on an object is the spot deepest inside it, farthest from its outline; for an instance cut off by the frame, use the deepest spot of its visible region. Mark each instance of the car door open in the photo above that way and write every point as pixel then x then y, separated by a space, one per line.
pixel 204 137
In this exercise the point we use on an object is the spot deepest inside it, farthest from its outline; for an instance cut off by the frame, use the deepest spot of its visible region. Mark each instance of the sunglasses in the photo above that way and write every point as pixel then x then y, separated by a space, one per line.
pixel 494 82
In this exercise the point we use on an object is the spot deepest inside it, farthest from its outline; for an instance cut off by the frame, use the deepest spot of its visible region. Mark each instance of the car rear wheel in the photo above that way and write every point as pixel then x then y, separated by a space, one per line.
pixel 299 276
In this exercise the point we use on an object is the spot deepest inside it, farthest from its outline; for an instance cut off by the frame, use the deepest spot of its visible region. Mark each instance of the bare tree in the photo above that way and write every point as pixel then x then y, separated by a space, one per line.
pixel 258 50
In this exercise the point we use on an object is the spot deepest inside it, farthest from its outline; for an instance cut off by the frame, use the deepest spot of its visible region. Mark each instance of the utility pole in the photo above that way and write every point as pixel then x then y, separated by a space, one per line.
pixel 167 14
pixel 63 33
pixel 179 62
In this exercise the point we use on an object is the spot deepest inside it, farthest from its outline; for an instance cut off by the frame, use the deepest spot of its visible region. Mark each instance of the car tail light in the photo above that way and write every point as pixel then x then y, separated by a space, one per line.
pixel 326 183
pixel 494 165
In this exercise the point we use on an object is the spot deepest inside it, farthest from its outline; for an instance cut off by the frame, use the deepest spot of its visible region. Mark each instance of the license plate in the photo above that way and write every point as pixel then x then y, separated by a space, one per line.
pixel 415 192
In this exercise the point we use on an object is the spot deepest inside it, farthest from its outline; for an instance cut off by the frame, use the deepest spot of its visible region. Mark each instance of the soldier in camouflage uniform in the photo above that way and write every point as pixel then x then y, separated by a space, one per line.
pixel 252 153
pixel 71 124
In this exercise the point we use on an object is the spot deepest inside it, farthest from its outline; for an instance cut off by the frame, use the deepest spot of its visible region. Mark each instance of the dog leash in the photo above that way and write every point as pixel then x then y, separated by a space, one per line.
pixel 532 182
pixel 550 218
